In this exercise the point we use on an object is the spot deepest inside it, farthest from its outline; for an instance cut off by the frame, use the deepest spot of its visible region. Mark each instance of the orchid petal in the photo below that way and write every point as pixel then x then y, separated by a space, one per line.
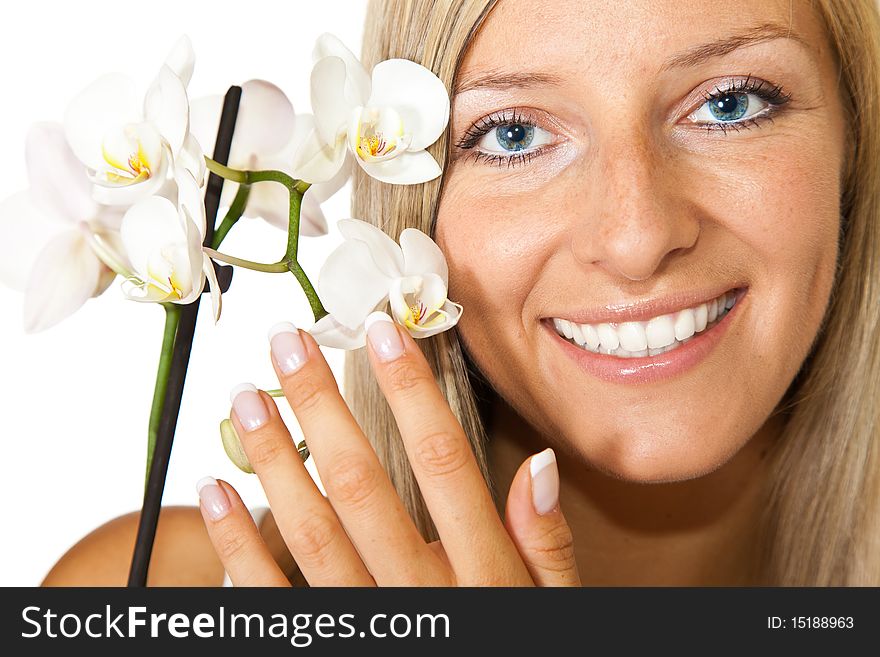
pixel 406 169
pixel 418 95
pixel 329 104
pixel 57 178
pixel 167 106
pixel 381 139
pixel 182 59
pixel 109 102
pixel 129 194
pixel 146 227
pixel 204 120
pixel 428 294
pixel 448 317
pixel 312 222
pixel 421 255
pixel 350 285
pixel 316 162
pixel 213 283
pixel 194 276
pixel 324 190
pixel 330 333
pixel 65 275
pixel 386 253
pixel 105 280
pixel 26 229
pixel 192 158
pixel 268 201
pixel 265 122
pixel 357 80
pixel 189 198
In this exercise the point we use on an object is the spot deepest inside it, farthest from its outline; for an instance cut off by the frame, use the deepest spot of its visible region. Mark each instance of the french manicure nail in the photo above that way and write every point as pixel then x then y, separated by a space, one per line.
pixel 288 348
pixel 383 336
pixel 213 498
pixel 545 481
pixel 248 406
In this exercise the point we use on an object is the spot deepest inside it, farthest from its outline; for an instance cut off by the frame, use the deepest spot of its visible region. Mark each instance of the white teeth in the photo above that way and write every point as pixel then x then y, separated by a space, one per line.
pixel 608 337
pixel 577 334
pixel 591 335
pixel 660 332
pixel 566 328
pixel 701 317
pixel 632 336
pixel 713 310
pixel 685 325
pixel 651 338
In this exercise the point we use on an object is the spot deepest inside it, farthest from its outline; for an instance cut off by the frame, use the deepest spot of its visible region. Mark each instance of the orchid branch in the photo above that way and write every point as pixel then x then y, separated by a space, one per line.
pixel 239 203
pixel 172 319
pixel 269 268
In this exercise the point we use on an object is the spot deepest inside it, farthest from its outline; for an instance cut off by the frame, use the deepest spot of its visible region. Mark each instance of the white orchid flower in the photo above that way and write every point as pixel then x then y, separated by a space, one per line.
pixel 48 230
pixel 368 271
pixel 384 120
pixel 266 132
pixel 163 244
pixel 130 146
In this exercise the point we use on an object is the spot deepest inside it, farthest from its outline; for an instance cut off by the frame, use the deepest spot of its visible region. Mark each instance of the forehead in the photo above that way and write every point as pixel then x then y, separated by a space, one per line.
pixel 594 37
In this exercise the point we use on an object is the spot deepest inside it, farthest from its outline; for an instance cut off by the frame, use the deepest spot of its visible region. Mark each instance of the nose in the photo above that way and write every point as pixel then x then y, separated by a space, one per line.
pixel 635 216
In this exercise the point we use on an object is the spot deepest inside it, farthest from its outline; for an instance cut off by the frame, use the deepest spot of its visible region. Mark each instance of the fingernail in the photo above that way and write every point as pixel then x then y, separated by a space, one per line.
pixel 213 498
pixel 545 481
pixel 288 348
pixel 248 406
pixel 383 336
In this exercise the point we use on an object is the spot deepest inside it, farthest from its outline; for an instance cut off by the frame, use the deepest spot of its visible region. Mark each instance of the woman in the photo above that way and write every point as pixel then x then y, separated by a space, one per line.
pixel 615 174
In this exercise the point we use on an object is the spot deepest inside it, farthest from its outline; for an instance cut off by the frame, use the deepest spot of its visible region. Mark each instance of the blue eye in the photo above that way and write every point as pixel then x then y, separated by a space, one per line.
pixel 729 107
pixel 506 138
pixel 510 137
pixel 515 136
pixel 743 104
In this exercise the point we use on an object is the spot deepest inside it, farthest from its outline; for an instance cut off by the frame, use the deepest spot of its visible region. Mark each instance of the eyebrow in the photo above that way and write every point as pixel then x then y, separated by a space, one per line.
pixel 758 34
pixel 500 79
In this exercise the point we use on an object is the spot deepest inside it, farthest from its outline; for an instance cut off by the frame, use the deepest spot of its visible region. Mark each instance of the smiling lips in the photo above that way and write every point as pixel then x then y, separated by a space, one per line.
pixel 648 338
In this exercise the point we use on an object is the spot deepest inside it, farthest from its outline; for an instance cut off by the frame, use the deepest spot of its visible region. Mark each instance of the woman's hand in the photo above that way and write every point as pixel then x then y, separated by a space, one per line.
pixel 361 534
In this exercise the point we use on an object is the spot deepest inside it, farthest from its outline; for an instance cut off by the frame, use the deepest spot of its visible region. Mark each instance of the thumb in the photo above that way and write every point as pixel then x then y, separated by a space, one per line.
pixel 536 524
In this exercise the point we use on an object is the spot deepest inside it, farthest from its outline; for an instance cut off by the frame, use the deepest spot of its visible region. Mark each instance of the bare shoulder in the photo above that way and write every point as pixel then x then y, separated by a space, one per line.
pixel 182 553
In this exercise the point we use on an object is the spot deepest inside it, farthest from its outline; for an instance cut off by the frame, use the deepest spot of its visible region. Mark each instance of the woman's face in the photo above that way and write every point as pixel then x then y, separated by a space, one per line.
pixel 620 165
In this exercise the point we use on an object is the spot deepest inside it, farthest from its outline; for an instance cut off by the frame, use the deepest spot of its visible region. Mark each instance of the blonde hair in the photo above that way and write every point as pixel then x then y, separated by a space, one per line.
pixel 822 518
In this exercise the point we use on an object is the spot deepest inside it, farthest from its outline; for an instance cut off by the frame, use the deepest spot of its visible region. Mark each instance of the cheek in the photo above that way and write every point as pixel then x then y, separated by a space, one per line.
pixel 496 246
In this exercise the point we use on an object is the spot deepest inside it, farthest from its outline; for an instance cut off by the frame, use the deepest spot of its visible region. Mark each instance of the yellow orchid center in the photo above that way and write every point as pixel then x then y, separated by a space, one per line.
pixel 417 311
pixel 377 134
pixel 374 145
pixel 132 153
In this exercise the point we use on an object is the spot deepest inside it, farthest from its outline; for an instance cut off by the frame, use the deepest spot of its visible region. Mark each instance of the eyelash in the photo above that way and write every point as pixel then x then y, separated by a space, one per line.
pixel 773 95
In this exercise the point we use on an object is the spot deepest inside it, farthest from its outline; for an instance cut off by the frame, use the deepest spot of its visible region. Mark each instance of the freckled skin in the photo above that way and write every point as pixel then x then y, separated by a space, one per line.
pixel 634 201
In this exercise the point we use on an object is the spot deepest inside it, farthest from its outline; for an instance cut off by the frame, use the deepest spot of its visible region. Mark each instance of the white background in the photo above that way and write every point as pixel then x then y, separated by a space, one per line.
pixel 75 399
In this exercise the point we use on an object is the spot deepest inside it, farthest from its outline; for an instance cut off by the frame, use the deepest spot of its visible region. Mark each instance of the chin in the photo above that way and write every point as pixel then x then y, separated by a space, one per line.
pixel 656 458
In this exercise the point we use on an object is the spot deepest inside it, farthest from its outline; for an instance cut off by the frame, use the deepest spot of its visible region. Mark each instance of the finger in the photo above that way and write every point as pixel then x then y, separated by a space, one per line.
pixel 536 524
pixel 450 480
pixel 357 486
pixel 307 523
pixel 235 537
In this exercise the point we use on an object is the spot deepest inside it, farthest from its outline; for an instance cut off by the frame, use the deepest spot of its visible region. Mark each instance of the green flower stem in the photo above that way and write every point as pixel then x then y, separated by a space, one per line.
pixel 233 215
pixel 311 294
pixel 251 177
pixel 275 392
pixel 172 319
pixel 269 268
